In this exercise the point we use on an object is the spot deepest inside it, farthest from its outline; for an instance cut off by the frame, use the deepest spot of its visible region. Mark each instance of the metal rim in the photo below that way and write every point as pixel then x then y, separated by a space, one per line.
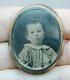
pixel 62 37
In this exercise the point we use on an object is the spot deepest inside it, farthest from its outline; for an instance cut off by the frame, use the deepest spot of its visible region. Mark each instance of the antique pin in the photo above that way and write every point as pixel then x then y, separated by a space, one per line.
pixel 36 38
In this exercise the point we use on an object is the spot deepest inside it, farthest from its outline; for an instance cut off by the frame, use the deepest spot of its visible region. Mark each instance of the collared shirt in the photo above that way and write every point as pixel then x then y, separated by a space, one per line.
pixel 37 56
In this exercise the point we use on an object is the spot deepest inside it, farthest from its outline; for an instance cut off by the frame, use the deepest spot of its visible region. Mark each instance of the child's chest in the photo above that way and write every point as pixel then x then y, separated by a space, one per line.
pixel 39 57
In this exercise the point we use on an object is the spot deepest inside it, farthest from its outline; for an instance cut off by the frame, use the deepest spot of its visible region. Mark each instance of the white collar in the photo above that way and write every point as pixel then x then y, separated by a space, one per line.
pixel 37 47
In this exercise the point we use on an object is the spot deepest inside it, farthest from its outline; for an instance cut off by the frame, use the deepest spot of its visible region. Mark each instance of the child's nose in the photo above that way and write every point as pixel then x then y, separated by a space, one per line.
pixel 36 34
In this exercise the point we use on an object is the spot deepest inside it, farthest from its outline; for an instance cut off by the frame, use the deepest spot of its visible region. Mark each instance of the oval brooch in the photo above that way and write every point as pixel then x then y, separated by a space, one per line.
pixel 36 38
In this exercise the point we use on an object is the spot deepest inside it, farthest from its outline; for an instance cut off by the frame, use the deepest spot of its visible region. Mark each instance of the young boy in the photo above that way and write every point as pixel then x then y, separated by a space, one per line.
pixel 35 54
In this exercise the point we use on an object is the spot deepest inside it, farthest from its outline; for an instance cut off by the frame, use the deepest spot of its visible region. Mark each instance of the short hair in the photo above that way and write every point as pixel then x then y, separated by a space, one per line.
pixel 33 22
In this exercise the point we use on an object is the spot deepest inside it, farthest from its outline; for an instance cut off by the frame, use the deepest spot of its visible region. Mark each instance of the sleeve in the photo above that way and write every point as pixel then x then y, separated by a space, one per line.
pixel 51 54
pixel 24 56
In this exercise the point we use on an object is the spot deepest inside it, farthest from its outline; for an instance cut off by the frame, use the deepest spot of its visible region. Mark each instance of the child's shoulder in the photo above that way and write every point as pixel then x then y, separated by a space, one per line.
pixel 45 46
pixel 35 47
pixel 26 45
pixel 29 46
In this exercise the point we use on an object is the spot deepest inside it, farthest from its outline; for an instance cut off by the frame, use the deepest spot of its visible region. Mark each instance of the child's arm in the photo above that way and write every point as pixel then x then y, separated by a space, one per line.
pixel 24 56
pixel 52 55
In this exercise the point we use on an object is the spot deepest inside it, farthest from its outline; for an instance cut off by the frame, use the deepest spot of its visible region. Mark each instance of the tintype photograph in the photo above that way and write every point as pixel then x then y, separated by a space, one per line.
pixel 36 38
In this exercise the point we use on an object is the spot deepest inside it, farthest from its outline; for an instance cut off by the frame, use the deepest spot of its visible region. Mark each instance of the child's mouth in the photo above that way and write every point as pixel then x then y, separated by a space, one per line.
pixel 37 38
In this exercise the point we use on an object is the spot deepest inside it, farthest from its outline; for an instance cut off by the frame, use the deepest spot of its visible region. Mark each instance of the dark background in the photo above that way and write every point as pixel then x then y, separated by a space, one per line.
pixel 50 24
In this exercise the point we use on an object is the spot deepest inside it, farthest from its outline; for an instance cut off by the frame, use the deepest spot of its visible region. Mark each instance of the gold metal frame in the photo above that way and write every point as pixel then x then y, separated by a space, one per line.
pixel 61 28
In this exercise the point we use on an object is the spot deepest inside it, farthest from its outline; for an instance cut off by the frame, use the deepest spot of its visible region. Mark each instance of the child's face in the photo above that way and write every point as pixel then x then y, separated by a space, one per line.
pixel 35 33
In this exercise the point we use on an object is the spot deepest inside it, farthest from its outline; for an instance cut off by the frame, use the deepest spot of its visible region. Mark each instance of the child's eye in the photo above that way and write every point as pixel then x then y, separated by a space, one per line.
pixel 38 31
pixel 32 32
